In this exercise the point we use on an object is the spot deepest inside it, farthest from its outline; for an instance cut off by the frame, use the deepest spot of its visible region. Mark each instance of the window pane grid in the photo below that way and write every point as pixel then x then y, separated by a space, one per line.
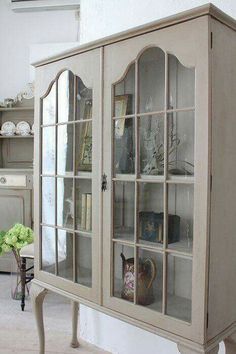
pixel 151 113
pixel 57 227
pixel 71 122
pixel 86 175
pixel 150 247
pixel 70 117
pixel 174 110
pixel 164 180
pixel 74 185
pixel 56 180
pixel 123 117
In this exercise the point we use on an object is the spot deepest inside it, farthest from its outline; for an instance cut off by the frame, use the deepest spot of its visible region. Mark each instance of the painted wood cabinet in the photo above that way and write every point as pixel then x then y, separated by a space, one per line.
pixel 135 178
pixel 16 174
pixel 15 206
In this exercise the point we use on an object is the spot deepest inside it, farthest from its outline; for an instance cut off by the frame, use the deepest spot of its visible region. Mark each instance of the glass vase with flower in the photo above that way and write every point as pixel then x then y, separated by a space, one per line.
pixel 13 241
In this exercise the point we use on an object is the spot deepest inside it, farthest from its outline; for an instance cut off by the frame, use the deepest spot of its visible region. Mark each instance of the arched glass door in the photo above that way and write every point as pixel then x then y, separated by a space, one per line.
pixel 153 184
pixel 69 178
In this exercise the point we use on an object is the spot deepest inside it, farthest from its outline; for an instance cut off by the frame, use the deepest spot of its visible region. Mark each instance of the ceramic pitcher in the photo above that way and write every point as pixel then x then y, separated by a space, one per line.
pixel 146 275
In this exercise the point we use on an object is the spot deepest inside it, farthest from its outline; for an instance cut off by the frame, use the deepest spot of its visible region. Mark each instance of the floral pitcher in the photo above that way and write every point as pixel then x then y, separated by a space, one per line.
pixel 146 275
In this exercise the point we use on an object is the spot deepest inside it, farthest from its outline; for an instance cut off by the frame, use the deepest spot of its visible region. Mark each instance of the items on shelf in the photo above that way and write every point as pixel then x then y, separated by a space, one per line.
pixel 151 227
pixel 152 150
pixel 27 94
pixel 124 130
pixel 86 211
pixel 8 102
pixel 86 147
pixel 70 212
pixel 8 129
pixel 22 128
pixel 146 275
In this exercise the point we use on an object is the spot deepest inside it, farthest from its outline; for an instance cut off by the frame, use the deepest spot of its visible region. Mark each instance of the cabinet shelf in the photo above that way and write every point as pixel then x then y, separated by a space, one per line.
pixel 69 229
pixel 183 246
pixel 17 170
pixel 83 233
pixel 178 306
pixel 153 179
pixel 15 109
pixel 124 234
pixel 84 175
pixel 17 150
pixel 180 179
pixel 16 137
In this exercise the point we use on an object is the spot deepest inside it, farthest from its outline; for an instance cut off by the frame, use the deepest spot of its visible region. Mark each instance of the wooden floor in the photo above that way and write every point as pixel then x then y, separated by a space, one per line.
pixel 18 330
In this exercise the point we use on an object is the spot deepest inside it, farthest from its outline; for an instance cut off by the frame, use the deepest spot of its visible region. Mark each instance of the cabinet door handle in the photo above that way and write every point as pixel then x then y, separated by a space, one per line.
pixel 104 182
pixel 3 180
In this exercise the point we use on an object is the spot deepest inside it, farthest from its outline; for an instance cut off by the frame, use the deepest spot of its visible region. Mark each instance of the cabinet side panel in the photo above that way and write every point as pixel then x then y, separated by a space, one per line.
pixel 222 277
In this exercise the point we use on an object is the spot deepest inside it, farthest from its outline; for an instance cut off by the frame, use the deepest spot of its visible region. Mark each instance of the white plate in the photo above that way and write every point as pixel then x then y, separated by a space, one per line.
pixel 23 128
pixel 32 129
pixel 8 128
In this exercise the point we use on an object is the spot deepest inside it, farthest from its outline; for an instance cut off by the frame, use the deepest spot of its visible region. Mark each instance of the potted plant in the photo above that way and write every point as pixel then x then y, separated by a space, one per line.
pixel 13 241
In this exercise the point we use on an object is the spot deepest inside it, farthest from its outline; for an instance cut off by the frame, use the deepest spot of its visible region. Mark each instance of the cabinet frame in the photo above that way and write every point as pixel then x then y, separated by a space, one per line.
pixel 81 67
pixel 198 336
pixel 197 48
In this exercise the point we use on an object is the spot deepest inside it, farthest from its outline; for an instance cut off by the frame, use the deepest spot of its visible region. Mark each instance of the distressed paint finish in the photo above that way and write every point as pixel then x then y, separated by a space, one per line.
pixel 75 312
pixel 37 295
pixel 192 50
pixel 188 350
pixel 230 344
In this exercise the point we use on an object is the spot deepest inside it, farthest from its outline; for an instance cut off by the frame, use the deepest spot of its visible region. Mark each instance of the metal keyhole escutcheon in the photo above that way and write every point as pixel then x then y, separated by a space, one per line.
pixel 104 182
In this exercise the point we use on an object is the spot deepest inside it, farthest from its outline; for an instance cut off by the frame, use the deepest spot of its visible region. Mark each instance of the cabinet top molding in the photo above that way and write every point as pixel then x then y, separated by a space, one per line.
pixel 204 10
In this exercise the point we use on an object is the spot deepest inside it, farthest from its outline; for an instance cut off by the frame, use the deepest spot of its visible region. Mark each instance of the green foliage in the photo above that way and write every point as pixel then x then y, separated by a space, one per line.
pixel 16 238
pixel 2 234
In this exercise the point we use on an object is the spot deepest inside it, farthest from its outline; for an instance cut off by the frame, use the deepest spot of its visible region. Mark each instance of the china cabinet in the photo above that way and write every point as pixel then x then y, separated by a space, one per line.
pixel 135 179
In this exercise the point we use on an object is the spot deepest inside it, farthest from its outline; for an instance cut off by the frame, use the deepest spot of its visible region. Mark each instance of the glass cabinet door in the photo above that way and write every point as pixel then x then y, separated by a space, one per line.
pixel 152 186
pixel 69 169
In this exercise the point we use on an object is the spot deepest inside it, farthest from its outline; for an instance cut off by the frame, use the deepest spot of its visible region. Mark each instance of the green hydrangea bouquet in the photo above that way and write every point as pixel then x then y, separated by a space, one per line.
pixel 2 234
pixel 14 239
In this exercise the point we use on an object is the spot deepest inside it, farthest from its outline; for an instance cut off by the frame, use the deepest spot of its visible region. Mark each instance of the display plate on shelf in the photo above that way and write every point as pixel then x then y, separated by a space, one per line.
pixel 8 128
pixel 23 128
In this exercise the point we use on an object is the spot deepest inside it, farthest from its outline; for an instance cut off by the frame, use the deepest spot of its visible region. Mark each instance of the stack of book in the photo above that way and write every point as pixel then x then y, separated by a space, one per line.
pixel 86 212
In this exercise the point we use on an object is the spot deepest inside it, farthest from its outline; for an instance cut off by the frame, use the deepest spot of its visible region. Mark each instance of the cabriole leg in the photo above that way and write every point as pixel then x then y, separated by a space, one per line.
pixel 188 350
pixel 230 344
pixel 37 294
pixel 75 310
pixel 23 282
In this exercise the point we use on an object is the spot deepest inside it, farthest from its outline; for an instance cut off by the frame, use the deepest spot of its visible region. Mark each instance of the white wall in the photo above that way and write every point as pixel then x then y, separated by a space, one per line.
pixel 18 31
pixel 100 18
pixel 118 337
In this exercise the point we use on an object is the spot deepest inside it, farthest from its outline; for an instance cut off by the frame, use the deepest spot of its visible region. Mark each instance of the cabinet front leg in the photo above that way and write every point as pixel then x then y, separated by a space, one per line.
pixel 37 294
pixel 230 344
pixel 188 350
pixel 75 311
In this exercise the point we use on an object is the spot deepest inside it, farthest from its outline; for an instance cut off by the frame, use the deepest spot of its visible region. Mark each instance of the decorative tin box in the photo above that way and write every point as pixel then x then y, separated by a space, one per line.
pixel 151 227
